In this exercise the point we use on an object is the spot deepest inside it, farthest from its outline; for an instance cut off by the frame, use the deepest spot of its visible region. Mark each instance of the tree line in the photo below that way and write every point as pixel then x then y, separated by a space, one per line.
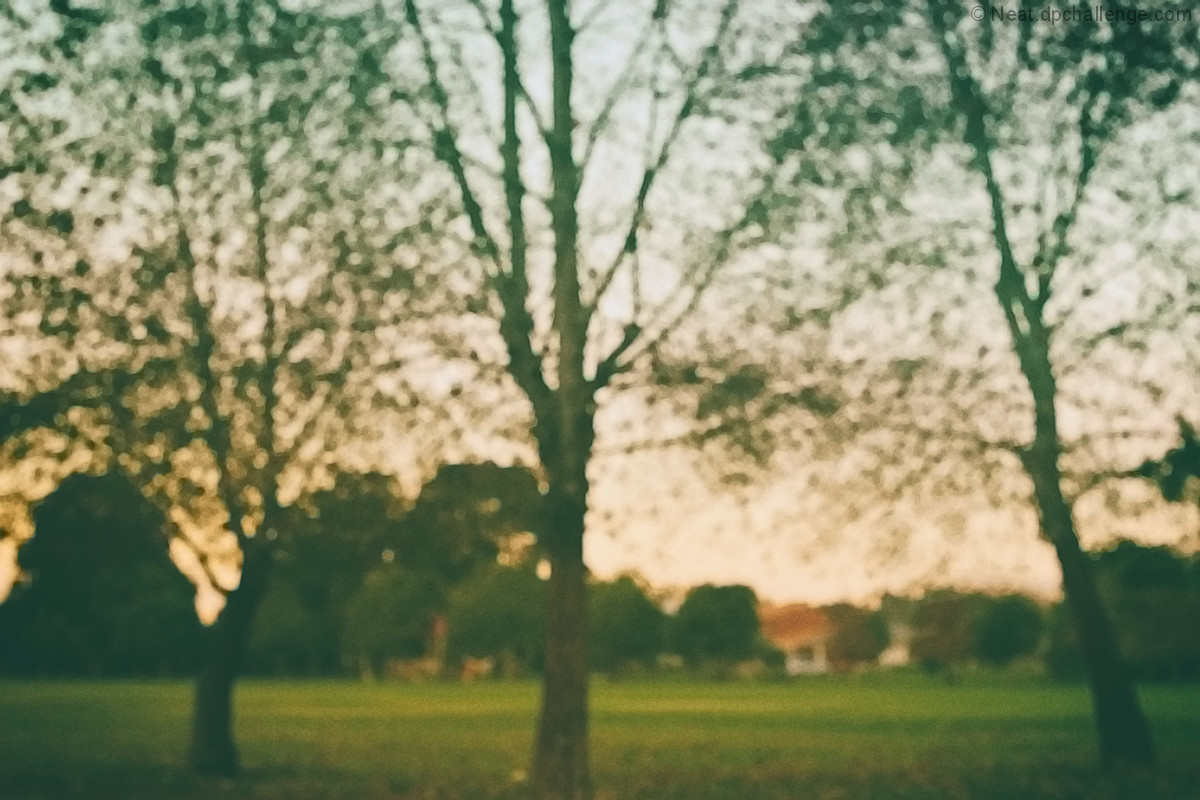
pixel 369 589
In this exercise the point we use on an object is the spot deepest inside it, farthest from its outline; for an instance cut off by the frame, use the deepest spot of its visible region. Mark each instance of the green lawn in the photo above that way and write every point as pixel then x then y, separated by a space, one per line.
pixel 898 736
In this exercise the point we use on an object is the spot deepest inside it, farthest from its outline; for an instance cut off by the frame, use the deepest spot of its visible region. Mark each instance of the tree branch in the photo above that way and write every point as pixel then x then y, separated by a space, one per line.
pixel 508 41
pixel 446 147
pixel 620 85
pixel 269 374
pixel 690 98
pixel 1022 312
pixel 516 323
pixel 216 435
pixel 721 250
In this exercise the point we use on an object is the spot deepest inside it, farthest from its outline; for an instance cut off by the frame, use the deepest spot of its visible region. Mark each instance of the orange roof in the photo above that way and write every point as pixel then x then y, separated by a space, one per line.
pixel 793 626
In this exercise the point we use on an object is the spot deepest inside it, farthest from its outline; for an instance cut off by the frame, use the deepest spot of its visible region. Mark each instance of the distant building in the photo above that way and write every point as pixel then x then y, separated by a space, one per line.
pixel 801 632
pixel 899 651
pixel 898 611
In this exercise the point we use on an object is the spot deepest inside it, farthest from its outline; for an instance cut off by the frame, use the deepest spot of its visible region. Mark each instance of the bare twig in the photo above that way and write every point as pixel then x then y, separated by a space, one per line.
pixel 447 150
pixel 498 34
pixel 686 109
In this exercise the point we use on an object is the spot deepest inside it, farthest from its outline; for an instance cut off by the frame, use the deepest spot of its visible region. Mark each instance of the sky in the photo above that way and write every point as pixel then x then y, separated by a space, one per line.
pixel 806 526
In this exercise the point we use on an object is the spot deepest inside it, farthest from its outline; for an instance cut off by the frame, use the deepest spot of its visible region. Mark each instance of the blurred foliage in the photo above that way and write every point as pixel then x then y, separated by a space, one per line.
pixel 715 626
pixel 626 627
pixel 355 563
pixel 1178 467
pixel 359 577
pixel 1007 628
pixel 1153 596
pixel 200 256
pixel 498 613
pixel 943 638
pixel 390 618
pixel 100 596
pixel 859 636
pixel 329 544
pixel 468 515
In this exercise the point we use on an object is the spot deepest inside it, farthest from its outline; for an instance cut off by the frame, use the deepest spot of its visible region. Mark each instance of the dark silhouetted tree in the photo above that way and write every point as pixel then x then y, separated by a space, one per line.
pixel 469 515
pixel 1152 594
pixel 286 638
pixel 498 613
pixel 716 626
pixel 1179 467
pixel 943 630
pixel 100 595
pixel 196 209
pixel 627 628
pixel 330 541
pixel 1007 628
pixel 390 618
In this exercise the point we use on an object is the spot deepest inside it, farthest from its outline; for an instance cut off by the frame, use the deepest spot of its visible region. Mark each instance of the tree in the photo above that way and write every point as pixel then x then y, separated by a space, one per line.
pixel 101 596
pixel 943 625
pixel 193 212
pixel 468 516
pixel 571 290
pixel 716 625
pixel 1178 466
pixel 286 638
pixel 391 617
pixel 465 518
pixel 330 540
pixel 1116 71
pixel 498 613
pixel 1152 595
pixel 627 628
pixel 1041 118
pixel 859 636
pixel 1007 628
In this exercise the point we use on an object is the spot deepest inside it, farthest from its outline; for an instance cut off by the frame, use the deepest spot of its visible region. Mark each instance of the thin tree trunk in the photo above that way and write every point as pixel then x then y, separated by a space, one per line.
pixel 212 750
pixel 1124 735
pixel 1121 727
pixel 560 765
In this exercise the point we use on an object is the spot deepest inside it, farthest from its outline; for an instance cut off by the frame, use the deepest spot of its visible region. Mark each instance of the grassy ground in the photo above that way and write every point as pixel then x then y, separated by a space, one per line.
pixel 872 737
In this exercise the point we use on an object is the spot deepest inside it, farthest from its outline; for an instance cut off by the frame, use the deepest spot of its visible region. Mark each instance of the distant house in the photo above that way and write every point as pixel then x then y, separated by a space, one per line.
pixel 801 632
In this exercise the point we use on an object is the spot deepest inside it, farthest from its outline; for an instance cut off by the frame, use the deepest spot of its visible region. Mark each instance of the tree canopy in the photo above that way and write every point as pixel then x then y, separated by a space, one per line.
pixel 716 625
pixel 100 595
pixel 627 628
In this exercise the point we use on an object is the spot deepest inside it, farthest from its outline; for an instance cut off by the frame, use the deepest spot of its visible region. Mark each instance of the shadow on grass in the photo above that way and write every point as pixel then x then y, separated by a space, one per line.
pixel 923 781
pixel 162 783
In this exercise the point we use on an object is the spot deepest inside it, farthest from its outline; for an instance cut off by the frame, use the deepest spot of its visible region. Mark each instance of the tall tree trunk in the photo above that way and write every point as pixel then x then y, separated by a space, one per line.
pixel 213 751
pixel 560 763
pixel 565 434
pixel 1121 726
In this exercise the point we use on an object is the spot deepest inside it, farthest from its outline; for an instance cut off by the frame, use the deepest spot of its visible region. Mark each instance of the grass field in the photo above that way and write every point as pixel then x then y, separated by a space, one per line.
pixel 898 736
